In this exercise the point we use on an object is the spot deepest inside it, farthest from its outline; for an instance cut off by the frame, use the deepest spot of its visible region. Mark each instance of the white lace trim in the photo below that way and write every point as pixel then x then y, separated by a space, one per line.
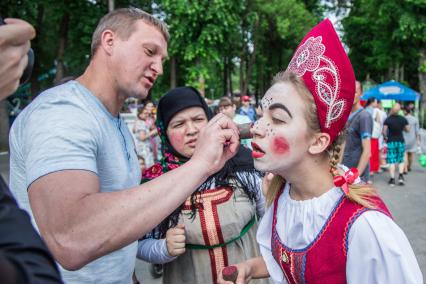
pixel 310 57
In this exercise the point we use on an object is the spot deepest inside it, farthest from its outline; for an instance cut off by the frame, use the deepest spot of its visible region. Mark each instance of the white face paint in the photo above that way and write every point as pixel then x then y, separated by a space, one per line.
pixel 280 137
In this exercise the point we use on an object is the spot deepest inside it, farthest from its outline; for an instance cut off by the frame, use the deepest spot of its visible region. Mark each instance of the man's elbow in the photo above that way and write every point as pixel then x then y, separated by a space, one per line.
pixel 68 253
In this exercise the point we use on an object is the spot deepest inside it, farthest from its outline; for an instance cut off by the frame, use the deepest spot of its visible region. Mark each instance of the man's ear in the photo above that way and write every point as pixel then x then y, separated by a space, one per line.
pixel 319 144
pixel 107 41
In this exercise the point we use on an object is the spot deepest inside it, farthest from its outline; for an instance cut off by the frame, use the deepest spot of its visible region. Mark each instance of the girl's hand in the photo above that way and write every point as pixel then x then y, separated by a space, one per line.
pixel 175 240
pixel 244 274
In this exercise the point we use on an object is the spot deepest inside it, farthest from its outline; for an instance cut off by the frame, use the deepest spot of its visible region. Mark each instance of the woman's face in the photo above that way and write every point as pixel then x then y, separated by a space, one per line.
pixel 183 130
pixel 280 138
pixel 144 114
pixel 149 107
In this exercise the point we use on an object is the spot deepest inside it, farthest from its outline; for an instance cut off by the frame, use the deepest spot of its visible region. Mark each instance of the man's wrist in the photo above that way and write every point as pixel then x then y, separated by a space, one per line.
pixel 198 168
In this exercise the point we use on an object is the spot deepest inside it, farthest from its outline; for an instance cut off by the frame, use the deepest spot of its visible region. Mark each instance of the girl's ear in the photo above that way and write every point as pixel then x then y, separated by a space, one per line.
pixel 319 144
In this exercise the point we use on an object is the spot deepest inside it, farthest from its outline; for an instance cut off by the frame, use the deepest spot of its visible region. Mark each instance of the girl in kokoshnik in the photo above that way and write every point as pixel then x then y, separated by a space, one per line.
pixel 319 227
pixel 217 225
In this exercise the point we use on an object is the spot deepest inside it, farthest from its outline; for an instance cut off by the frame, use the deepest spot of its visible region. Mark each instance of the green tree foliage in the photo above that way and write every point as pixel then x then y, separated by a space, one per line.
pixel 385 39
pixel 212 41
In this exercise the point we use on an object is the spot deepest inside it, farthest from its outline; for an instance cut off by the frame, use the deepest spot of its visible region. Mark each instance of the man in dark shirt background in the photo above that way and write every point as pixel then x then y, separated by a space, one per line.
pixel 392 132
pixel 24 257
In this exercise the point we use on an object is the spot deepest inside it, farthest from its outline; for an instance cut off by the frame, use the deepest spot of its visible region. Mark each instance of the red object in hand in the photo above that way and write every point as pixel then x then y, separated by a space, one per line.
pixel 230 273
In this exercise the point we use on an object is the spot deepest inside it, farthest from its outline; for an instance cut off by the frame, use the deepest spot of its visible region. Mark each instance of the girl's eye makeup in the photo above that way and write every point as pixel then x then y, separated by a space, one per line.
pixel 266 102
pixel 278 120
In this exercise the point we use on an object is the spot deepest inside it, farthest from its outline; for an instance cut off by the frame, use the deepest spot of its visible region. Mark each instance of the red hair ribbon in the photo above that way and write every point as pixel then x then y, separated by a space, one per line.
pixel 348 178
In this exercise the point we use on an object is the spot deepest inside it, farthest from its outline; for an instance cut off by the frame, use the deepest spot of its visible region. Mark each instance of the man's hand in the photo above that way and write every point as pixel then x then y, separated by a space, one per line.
pixel 217 143
pixel 14 44
pixel 175 240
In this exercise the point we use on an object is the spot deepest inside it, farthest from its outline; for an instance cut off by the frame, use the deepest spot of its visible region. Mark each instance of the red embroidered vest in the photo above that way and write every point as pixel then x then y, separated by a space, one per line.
pixel 324 259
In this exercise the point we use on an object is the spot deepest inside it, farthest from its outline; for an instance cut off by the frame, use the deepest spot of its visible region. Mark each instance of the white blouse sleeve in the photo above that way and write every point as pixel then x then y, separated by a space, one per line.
pixel 379 252
pixel 264 234
pixel 154 251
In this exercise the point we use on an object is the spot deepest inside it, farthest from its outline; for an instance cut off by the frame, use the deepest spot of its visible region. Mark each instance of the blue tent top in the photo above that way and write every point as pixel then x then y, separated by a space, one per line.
pixel 391 90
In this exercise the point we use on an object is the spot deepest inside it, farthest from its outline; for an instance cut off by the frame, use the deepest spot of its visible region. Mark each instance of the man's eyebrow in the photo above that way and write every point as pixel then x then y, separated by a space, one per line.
pixel 280 106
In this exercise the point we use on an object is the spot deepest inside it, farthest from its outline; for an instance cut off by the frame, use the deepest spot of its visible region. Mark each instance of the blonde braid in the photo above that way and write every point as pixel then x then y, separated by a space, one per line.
pixel 359 193
pixel 277 183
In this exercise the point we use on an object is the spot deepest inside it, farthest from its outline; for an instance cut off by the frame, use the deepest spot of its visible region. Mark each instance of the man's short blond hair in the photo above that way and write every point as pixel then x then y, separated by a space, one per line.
pixel 121 21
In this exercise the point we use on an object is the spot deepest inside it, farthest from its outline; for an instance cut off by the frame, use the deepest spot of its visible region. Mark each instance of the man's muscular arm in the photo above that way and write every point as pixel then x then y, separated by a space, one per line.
pixel 79 223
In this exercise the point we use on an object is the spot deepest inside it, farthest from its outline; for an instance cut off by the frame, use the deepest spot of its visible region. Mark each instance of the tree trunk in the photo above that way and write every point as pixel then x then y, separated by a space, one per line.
pixel 225 77
pixel 243 90
pixel 422 76
pixel 173 78
pixel 231 69
pixel 111 5
pixel 63 33
pixel 396 72
pixel 4 126
pixel 35 44
pixel 202 86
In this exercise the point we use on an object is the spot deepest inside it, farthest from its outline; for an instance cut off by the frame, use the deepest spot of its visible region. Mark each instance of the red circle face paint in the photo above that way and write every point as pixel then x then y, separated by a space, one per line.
pixel 280 146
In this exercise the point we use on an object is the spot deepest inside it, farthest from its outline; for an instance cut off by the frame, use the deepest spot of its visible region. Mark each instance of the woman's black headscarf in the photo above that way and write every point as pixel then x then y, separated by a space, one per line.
pixel 170 104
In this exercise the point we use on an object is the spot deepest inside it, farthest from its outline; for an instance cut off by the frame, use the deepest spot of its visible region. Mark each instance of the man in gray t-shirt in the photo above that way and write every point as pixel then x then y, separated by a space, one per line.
pixel 357 145
pixel 73 161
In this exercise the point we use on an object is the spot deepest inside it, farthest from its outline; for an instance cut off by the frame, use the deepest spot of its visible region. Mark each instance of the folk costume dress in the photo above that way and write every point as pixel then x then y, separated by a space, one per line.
pixel 220 217
pixel 331 239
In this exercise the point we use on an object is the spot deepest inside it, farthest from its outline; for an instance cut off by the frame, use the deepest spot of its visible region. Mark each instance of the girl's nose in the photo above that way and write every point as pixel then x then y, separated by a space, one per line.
pixel 258 129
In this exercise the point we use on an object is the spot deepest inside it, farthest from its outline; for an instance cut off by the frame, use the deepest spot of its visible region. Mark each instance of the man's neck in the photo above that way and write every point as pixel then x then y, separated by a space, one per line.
pixel 99 82
pixel 356 107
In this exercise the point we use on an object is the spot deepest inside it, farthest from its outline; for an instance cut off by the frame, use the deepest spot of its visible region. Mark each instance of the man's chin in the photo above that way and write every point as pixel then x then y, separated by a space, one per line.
pixel 140 94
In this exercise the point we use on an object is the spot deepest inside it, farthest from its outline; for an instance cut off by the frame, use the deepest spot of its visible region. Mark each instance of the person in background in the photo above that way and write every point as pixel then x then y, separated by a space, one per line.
pixel 393 128
pixel 383 116
pixel 246 109
pixel 411 139
pixel 371 108
pixel 228 108
pixel 357 147
pixel 24 258
pixel 144 130
pixel 217 224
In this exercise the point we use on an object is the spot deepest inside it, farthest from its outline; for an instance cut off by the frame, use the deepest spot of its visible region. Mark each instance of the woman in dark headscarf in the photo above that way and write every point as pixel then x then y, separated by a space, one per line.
pixel 217 224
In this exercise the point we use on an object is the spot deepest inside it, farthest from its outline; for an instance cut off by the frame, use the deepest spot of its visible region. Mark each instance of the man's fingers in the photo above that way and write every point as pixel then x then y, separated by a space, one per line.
pixel 223 122
pixel 16 32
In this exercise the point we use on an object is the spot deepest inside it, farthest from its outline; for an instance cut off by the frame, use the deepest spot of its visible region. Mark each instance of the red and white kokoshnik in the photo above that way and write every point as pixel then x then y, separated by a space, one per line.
pixel 322 63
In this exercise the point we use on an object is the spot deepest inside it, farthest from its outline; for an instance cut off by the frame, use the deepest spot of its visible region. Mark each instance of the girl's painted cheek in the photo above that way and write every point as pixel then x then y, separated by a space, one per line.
pixel 280 146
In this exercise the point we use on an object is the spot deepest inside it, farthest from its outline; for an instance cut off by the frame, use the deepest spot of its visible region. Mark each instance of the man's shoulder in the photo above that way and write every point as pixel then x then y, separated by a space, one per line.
pixel 364 114
pixel 62 101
